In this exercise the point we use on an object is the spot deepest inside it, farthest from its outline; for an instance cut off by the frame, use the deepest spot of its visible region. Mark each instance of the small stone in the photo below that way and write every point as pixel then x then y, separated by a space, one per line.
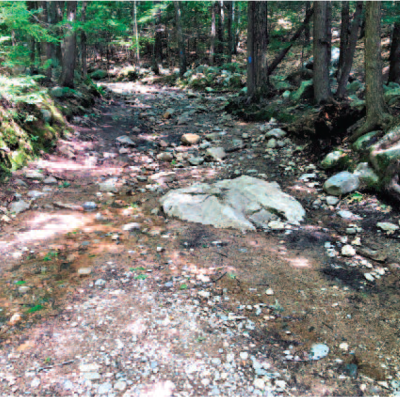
pixel 35 383
pixel 216 361
pixel 104 388
pixel 332 200
pixel 120 385
pixel 271 144
pixel 196 161
pixel 318 351
pixel 276 225
pixel 341 183
pixel 34 175
pixel 387 226
pixel 133 226
pixel 276 133
pixel 348 251
pixel 165 157
pixel 243 355
pixel 19 206
pixel 100 282
pixel 89 206
pixel 141 178
pixel 24 289
pixel 215 153
pixel 15 319
pixel 50 181
pixel 347 215
pixel 344 346
pixel 190 139
pixel 35 194
pixel 205 294
pixel 369 277
pixel 92 376
pixel 269 292
pixel 84 271
pixel 20 182
pixel 126 140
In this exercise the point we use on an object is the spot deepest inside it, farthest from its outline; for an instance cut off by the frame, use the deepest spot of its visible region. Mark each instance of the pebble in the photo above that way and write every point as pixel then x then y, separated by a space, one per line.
pixel 348 251
pixel 132 226
pixel 387 226
pixel 332 200
pixel 100 282
pixel 92 376
pixel 120 385
pixel 89 206
pixel 243 355
pixel 318 351
pixel 24 289
pixel 104 388
pixel 35 383
pixel 269 292
pixel 84 271
pixel 141 178
pixel 369 277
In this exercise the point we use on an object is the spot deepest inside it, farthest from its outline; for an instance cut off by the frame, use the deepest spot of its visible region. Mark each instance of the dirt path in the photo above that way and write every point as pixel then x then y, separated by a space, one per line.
pixel 175 308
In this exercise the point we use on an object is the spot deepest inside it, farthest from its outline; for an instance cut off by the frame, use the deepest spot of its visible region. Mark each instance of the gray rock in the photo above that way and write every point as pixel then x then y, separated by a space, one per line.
pixel 34 175
pixel 100 282
pixel 120 385
pixel 165 157
pixel 46 114
pixel 19 206
pixel 50 181
pixel 84 271
pixel 345 214
pixel 92 376
pixel 68 385
pixel 276 133
pixel 89 206
pixel 231 203
pixel 141 178
pixel 190 138
pixel 126 140
pixel 332 200
pixel 205 145
pixel 104 388
pixel 367 175
pixel 57 91
pixel 133 226
pixel 387 226
pixel 20 182
pixel 271 144
pixel 110 185
pixel 196 160
pixel 215 153
pixel 24 289
pixel 318 351
pixel 342 183
pixel 35 194
pixel 335 159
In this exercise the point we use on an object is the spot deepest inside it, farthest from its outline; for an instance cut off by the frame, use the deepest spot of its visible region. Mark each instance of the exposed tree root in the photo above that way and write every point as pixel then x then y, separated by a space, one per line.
pixel 371 125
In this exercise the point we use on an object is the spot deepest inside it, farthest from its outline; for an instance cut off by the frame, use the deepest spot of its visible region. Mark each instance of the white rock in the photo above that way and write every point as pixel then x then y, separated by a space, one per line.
pixel 332 200
pixel 50 181
pixel 19 206
pixel 342 183
pixel 230 203
pixel 215 153
pixel 133 226
pixel 387 226
pixel 276 133
pixel 369 277
pixel 126 140
pixel 276 225
pixel 348 251
pixel 269 292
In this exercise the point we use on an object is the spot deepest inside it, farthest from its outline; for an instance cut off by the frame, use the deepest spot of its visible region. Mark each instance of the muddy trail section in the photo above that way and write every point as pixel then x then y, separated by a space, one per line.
pixel 103 295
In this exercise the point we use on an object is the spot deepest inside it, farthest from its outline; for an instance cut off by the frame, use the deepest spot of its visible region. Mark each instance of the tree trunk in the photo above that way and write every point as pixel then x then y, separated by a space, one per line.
pixel 322 89
pixel 181 42
pixel 377 114
pixel 69 59
pixel 307 26
pixel 297 34
pixel 136 33
pixel 83 42
pixel 394 71
pixel 154 58
pixel 158 37
pixel 349 51
pixel 31 7
pixel 213 34
pixel 59 17
pixel 257 79
pixel 50 49
pixel 220 31
pixel 344 34
pixel 229 7
pixel 237 28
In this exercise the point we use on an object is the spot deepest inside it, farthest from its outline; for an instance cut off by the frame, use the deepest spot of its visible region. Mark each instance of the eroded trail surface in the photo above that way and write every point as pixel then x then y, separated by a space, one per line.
pixel 103 295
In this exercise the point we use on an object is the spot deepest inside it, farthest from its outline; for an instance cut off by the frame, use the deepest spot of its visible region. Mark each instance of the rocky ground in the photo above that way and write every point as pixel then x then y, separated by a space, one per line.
pixel 103 294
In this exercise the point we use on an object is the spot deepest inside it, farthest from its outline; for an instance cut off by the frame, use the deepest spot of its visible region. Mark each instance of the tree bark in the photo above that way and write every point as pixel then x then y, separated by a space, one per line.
pixel 60 5
pixel 213 35
pixel 344 34
pixel 237 28
pixel 136 33
pixel 321 35
pixel 220 31
pixel 50 49
pixel 394 71
pixel 181 42
pixel 257 68
pixel 229 6
pixel 377 114
pixel 297 34
pixel 349 51
pixel 83 42
pixel 31 7
pixel 69 59
pixel 307 26
pixel 156 44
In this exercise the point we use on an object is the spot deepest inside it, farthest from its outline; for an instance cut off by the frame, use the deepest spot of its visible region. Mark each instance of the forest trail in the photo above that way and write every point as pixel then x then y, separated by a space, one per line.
pixel 167 307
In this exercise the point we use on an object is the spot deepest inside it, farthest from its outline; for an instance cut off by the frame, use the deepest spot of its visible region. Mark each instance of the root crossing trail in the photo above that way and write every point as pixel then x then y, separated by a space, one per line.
pixel 108 297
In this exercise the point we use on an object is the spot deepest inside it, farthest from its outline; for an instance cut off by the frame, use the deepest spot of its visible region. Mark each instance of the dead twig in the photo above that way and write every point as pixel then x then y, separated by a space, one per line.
pixel 216 280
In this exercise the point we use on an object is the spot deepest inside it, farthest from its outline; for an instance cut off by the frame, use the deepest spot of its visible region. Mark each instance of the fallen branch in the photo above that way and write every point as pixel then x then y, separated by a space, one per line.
pixel 297 34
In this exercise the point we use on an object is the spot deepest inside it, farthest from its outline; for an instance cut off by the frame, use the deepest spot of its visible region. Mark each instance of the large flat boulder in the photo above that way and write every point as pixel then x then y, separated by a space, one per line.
pixel 242 203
